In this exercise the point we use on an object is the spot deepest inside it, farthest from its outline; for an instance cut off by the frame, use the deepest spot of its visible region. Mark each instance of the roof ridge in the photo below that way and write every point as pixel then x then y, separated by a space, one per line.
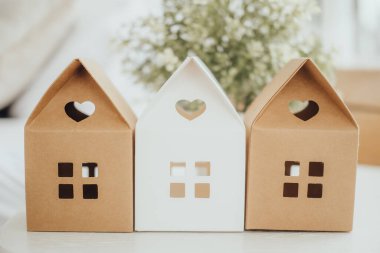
pixel 217 89
pixel 102 81
pixel 278 83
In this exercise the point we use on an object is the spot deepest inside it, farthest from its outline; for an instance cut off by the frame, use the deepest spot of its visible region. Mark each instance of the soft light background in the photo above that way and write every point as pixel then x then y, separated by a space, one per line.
pixel 39 38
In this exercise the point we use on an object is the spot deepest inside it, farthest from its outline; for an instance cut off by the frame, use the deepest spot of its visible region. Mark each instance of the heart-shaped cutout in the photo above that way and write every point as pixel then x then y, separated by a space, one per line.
pixel 190 110
pixel 303 110
pixel 79 111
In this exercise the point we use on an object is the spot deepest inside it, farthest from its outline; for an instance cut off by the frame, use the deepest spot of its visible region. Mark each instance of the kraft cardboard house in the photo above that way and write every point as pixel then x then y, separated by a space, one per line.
pixel 361 92
pixel 79 155
pixel 302 154
pixel 190 157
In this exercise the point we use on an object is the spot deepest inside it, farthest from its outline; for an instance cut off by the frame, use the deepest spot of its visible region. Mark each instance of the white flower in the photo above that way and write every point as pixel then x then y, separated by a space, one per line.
pixel 251 8
pixel 175 28
pixel 179 17
pixel 235 5
pixel 146 47
pixel 170 67
pixel 264 11
pixel 264 29
pixel 239 33
pixel 169 21
pixel 248 23
pixel 244 41
pixel 236 8
pixel 200 2
pixel 146 70
pixel 234 28
pixel 209 42
pixel 287 9
pixel 186 36
pixel 255 49
pixel 191 53
pixel 167 57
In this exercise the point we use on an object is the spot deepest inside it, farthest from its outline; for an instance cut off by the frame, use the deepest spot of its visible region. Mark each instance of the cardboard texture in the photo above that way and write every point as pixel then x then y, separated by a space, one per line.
pixel 190 157
pixel 301 165
pixel 361 92
pixel 79 155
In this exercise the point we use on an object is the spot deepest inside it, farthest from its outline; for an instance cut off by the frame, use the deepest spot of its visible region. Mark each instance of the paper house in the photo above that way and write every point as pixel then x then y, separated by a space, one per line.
pixel 190 157
pixel 302 154
pixel 79 155
pixel 361 91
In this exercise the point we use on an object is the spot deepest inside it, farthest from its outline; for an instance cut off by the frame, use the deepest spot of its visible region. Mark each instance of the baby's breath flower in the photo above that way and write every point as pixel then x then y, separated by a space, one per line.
pixel 251 8
pixel 209 42
pixel 244 42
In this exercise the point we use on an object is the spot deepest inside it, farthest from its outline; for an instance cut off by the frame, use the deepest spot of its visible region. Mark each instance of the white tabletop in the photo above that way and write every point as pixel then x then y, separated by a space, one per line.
pixel 364 238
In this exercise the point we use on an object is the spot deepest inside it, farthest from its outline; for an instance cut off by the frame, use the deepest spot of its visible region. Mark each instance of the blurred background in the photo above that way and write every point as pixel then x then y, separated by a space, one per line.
pixel 39 38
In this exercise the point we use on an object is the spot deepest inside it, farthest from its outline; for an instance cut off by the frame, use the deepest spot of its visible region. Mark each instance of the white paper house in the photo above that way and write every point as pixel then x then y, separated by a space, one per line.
pixel 190 157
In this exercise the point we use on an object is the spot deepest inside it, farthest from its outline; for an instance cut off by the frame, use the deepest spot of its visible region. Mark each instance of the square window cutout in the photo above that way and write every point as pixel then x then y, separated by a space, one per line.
pixel 316 169
pixel 314 191
pixel 290 190
pixel 292 168
pixel 90 191
pixel 65 169
pixel 202 190
pixel 90 170
pixel 202 168
pixel 177 190
pixel 177 169
pixel 65 191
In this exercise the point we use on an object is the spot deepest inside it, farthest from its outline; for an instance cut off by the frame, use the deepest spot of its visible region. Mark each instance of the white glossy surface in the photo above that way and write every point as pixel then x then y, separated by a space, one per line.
pixel 364 238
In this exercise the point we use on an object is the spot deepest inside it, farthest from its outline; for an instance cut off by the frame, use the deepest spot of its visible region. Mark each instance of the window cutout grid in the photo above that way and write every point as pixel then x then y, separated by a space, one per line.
pixel 290 190
pixel 90 191
pixel 65 191
pixel 65 169
pixel 316 169
pixel 177 190
pixel 90 169
pixel 177 169
pixel 314 190
pixel 292 168
pixel 202 190
pixel 202 169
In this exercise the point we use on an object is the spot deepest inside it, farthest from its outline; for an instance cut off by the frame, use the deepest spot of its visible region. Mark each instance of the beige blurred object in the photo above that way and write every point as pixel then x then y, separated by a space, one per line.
pixel 361 91
pixel 30 31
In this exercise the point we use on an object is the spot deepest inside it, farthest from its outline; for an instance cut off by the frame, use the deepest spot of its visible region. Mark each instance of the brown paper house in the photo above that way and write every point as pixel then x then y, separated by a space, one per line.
pixel 79 155
pixel 302 154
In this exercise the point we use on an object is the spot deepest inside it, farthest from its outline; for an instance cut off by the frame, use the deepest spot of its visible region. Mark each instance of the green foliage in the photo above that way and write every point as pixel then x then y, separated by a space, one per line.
pixel 243 42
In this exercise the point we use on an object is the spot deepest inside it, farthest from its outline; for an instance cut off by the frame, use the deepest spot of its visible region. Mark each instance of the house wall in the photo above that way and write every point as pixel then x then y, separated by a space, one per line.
pixel 267 208
pixel 164 136
pixel 224 149
pixel 111 150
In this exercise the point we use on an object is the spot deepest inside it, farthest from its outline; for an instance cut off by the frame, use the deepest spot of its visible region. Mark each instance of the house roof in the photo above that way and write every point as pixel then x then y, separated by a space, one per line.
pixel 195 61
pixel 283 77
pixel 101 80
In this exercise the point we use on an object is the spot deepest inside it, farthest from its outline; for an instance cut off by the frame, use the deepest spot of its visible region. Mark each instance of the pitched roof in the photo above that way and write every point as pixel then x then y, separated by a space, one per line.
pixel 196 61
pixel 283 77
pixel 102 81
